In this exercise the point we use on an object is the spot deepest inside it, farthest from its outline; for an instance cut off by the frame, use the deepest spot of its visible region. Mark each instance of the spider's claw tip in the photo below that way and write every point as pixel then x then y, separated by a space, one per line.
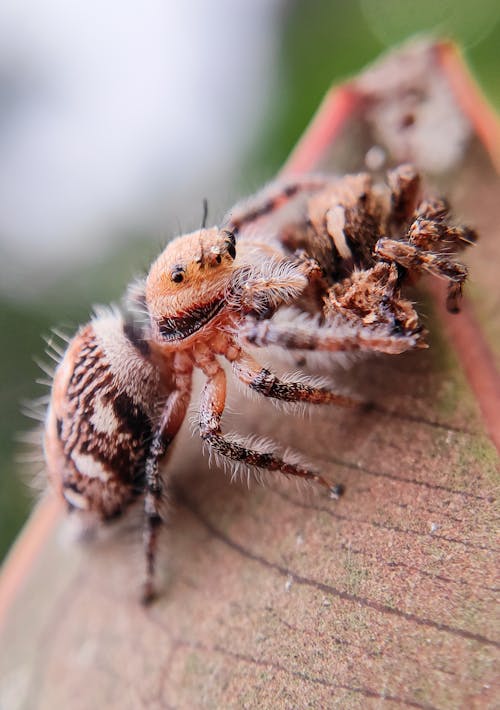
pixel 452 306
pixel 336 491
pixel 148 595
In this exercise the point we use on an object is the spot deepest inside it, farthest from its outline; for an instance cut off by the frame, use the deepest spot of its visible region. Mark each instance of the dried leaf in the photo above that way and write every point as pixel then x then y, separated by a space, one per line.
pixel 275 599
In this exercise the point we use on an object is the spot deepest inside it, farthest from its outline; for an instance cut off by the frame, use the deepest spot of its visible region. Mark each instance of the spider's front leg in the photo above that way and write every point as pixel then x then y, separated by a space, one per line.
pixel 171 420
pixel 301 334
pixel 260 289
pixel 213 399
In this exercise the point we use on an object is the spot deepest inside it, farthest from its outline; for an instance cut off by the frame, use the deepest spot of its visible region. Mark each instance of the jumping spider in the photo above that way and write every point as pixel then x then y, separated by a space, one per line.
pixel 122 388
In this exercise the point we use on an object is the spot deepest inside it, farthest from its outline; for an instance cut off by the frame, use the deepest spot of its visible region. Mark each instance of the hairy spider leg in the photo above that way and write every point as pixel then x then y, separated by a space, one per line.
pixel 310 336
pixel 416 260
pixel 213 399
pixel 430 247
pixel 404 183
pixel 171 420
pixel 265 382
pixel 273 197
pixel 430 228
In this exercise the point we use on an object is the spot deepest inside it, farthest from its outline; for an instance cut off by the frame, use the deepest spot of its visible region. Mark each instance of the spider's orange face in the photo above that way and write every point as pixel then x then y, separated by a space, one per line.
pixel 186 285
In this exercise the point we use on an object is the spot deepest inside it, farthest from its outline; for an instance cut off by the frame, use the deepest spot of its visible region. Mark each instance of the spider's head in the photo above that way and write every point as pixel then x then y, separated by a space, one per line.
pixel 186 285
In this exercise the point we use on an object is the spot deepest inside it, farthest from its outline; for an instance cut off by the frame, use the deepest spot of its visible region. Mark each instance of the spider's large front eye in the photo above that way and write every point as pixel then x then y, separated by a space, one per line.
pixel 177 275
pixel 230 243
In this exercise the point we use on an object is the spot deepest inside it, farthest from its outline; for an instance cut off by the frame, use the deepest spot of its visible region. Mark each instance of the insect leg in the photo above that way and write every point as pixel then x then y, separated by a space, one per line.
pixel 212 404
pixel 171 420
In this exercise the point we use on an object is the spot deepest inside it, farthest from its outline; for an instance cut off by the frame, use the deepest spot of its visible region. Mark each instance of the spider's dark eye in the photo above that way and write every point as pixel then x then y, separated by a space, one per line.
pixel 177 275
pixel 218 258
pixel 231 250
pixel 230 243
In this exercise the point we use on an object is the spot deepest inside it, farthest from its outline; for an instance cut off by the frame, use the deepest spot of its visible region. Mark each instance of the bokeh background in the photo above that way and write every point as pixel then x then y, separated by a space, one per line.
pixel 117 119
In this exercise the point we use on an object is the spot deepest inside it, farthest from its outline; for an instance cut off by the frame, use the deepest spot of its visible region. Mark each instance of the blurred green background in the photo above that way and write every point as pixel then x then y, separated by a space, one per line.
pixel 319 42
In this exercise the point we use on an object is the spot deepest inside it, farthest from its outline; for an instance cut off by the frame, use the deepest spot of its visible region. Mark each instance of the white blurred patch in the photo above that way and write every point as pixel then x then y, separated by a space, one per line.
pixel 88 466
pixel 112 115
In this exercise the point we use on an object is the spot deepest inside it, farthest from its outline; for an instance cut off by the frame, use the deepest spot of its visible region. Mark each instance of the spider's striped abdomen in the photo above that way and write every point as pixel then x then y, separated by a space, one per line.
pixel 106 399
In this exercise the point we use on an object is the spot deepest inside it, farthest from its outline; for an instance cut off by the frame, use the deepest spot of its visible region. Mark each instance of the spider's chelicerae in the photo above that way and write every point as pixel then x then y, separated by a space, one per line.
pixel 338 261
